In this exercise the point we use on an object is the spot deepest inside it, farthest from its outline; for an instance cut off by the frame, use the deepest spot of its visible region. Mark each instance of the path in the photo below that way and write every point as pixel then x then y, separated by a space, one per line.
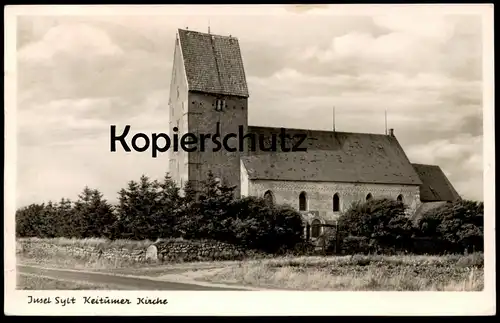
pixel 120 281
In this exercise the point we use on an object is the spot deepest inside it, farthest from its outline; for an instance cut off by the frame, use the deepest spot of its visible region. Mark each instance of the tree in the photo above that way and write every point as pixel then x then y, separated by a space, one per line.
pixel 258 225
pixel 252 223
pixel 208 216
pixel 165 214
pixel 456 225
pixel 381 222
pixel 189 213
pixel 288 227
pixel 64 214
pixel 49 221
pixel 189 193
pixel 137 204
pixel 93 216
pixel 29 220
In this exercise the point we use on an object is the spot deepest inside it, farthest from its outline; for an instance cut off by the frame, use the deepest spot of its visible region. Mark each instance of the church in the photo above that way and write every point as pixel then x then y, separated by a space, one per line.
pixel 209 91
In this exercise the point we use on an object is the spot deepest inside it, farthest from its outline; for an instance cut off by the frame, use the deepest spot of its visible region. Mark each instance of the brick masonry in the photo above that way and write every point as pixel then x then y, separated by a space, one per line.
pixel 195 112
pixel 319 195
pixel 203 119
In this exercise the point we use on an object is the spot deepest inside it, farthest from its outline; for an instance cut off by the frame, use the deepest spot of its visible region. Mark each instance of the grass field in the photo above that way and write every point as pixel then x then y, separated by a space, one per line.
pixel 342 273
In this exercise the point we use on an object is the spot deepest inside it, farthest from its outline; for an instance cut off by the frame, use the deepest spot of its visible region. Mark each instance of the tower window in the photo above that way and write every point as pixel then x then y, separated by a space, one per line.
pixel 219 104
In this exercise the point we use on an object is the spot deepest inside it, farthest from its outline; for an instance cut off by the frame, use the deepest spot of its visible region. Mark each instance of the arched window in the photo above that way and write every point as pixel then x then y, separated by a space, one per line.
pixel 336 203
pixel 302 202
pixel 369 197
pixel 315 228
pixel 268 196
pixel 400 198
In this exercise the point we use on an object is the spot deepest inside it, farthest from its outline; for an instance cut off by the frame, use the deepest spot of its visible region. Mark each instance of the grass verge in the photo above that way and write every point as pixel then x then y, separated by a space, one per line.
pixel 341 273
pixel 359 273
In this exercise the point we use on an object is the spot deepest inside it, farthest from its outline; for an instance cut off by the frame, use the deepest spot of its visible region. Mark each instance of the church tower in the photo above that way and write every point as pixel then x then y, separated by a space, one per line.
pixel 208 95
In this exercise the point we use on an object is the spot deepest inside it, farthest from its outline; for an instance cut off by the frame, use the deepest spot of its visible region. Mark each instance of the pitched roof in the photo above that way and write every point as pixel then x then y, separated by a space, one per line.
pixel 213 63
pixel 435 185
pixel 334 157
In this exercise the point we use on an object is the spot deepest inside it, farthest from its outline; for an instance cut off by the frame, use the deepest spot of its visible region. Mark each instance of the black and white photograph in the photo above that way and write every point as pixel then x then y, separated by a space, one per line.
pixel 229 148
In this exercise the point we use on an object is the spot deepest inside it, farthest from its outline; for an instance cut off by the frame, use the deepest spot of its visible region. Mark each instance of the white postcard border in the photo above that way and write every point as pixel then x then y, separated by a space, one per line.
pixel 256 302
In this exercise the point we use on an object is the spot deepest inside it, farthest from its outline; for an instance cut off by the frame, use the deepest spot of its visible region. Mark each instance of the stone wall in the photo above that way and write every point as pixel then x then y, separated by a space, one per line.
pixel 175 250
pixel 43 248
pixel 185 250
pixel 319 196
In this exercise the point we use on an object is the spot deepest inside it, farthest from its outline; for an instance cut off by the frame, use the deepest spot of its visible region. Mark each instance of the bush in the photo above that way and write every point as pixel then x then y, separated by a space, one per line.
pixel 355 244
pixel 258 225
pixel 206 214
pixel 456 226
pixel 377 224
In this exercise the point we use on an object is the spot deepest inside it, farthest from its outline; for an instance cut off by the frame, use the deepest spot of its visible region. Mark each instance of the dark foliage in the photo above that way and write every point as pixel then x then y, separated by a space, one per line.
pixel 258 225
pixel 149 209
pixel 457 226
pixel 376 225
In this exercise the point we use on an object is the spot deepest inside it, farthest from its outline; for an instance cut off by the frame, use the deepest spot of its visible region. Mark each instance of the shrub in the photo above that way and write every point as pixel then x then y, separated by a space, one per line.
pixel 455 226
pixel 355 244
pixel 377 224
pixel 206 213
pixel 258 225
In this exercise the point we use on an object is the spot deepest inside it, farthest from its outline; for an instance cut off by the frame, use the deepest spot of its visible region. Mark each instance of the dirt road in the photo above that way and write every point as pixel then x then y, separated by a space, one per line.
pixel 121 282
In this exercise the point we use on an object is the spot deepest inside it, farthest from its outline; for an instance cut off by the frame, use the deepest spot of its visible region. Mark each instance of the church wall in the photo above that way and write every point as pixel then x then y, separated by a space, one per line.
pixel 203 118
pixel 244 182
pixel 320 194
pixel 178 117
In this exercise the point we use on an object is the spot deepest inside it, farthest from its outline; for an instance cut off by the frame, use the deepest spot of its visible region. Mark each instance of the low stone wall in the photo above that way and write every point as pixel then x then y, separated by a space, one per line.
pixel 175 250
pixel 44 248
pixel 185 250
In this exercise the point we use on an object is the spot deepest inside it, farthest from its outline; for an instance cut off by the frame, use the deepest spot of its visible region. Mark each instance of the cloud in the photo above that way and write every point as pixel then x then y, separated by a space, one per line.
pixel 70 142
pixel 461 158
pixel 411 100
pixel 74 39
pixel 424 70
pixel 436 27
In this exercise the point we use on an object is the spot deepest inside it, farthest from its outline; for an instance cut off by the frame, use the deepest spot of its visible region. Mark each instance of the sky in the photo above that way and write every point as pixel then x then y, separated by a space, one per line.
pixel 77 75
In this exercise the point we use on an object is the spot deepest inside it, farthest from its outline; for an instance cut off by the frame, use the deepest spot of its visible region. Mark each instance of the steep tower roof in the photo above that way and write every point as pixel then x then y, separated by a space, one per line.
pixel 435 185
pixel 213 63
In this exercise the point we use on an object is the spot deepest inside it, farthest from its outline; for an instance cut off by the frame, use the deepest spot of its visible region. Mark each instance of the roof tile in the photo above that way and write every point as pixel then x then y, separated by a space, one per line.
pixel 334 157
pixel 213 63
pixel 435 185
